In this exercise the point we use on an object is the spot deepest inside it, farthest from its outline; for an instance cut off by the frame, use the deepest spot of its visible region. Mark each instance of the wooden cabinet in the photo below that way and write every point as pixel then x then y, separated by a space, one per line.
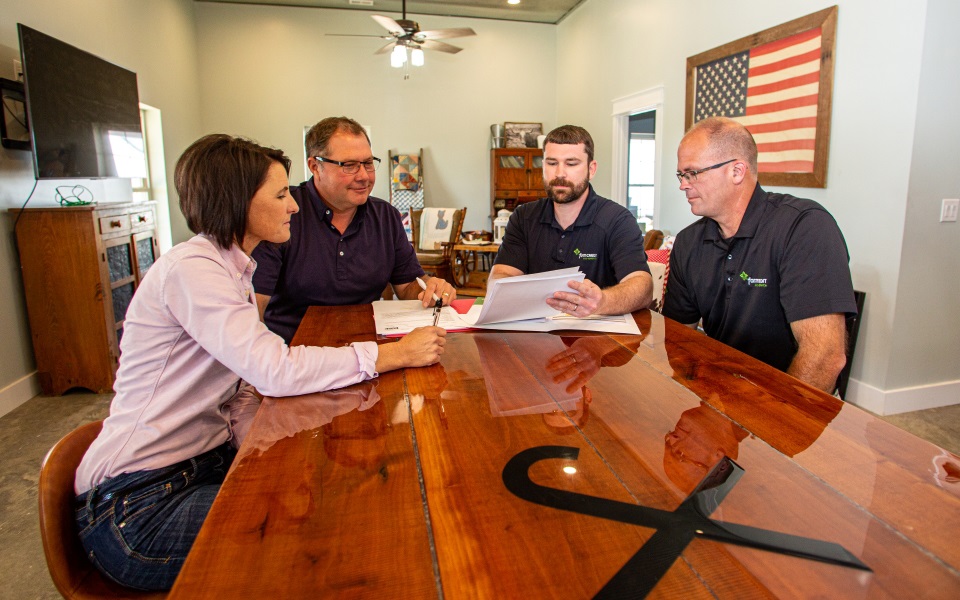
pixel 80 267
pixel 516 176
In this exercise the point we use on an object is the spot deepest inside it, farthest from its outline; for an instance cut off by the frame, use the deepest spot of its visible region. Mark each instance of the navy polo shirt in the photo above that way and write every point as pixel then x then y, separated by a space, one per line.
pixel 604 241
pixel 787 262
pixel 319 266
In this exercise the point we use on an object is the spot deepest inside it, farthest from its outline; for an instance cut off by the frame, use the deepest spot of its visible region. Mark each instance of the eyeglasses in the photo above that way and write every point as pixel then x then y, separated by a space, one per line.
pixel 691 176
pixel 353 166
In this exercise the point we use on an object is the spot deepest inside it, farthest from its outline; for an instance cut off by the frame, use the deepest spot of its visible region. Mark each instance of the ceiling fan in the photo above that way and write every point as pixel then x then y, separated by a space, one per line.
pixel 406 34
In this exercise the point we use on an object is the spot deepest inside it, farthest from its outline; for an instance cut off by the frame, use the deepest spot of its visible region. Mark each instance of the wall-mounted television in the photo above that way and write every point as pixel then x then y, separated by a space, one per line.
pixel 84 111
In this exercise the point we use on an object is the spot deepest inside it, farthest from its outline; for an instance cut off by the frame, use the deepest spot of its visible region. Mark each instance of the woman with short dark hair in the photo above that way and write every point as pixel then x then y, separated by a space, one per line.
pixel 193 351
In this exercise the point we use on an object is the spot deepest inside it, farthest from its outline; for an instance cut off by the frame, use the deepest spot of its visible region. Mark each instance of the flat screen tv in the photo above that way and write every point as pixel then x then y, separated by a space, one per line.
pixel 84 111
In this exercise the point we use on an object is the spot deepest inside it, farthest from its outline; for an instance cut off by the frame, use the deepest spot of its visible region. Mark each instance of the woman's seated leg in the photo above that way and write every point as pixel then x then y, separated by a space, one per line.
pixel 137 528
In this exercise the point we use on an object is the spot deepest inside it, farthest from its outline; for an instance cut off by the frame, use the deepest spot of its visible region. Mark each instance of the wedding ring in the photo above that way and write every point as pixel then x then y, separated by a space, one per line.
pixel 446 294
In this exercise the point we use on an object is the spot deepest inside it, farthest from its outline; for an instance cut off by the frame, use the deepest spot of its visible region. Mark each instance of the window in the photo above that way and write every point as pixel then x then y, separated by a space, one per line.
pixel 140 174
pixel 641 168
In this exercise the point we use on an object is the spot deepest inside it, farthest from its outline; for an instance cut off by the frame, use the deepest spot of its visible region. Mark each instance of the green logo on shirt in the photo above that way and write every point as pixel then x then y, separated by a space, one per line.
pixel 584 255
pixel 753 281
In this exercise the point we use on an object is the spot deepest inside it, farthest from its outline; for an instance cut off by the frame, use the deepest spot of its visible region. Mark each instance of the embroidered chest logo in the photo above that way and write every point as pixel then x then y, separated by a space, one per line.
pixel 753 281
pixel 584 255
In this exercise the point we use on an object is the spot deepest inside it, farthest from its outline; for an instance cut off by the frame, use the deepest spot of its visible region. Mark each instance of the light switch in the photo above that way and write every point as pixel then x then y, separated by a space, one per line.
pixel 948 211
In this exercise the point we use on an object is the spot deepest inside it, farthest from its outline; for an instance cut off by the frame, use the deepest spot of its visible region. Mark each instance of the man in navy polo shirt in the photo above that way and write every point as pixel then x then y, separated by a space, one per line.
pixel 574 226
pixel 345 247
pixel 766 272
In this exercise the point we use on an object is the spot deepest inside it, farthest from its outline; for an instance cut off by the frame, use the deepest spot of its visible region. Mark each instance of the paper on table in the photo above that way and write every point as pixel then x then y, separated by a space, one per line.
pixel 398 317
pixel 523 297
pixel 624 323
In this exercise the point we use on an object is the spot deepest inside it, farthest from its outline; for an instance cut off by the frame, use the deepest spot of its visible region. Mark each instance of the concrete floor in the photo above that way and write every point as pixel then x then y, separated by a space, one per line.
pixel 30 430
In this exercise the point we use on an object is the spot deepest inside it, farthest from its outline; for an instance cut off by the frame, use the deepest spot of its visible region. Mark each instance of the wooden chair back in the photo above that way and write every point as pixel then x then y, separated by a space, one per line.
pixel 653 239
pixel 71 571
pixel 438 263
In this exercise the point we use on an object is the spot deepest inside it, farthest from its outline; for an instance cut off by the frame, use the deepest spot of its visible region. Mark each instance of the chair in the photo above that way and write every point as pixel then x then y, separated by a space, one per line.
pixel 659 257
pixel 438 262
pixel 658 271
pixel 653 239
pixel 853 328
pixel 72 573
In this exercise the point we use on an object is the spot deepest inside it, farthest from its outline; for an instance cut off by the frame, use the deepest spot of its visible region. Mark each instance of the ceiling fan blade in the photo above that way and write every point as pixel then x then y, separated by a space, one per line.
pixel 382 37
pixel 439 34
pixel 388 24
pixel 386 48
pixel 440 46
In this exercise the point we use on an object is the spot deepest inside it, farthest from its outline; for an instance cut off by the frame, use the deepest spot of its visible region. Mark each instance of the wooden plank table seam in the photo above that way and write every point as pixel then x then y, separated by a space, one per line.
pixel 423 490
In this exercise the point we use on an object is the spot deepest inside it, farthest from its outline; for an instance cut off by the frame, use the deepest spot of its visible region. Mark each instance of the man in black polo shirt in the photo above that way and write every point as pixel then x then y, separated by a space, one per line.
pixel 766 272
pixel 574 226
pixel 345 246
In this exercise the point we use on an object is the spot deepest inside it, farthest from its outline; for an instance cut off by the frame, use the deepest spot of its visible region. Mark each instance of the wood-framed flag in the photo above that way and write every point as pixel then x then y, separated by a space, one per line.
pixel 778 83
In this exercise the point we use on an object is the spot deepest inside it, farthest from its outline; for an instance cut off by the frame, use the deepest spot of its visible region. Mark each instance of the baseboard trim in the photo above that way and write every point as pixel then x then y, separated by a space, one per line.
pixel 893 402
pixel 18 392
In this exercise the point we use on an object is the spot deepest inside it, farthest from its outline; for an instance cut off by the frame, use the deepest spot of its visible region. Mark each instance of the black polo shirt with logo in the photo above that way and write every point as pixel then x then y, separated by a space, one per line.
pixel 788 261
pixel 604 241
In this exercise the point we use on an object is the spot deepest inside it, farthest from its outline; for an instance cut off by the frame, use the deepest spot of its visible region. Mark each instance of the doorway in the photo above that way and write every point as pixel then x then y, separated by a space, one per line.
pixel 638 154
pixel 641 167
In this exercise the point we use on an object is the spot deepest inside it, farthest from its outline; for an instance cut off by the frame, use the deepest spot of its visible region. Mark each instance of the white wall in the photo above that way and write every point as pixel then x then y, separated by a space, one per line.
pixel 269 71
pixel 156 40
pixel 618 47
pixel 926 332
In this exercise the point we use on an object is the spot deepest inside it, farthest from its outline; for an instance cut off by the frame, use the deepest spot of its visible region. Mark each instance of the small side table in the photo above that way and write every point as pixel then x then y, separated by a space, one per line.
pixel 471 266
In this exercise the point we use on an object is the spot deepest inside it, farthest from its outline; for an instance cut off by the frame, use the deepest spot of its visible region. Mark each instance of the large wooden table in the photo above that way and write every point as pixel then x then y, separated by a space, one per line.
pixel 542 466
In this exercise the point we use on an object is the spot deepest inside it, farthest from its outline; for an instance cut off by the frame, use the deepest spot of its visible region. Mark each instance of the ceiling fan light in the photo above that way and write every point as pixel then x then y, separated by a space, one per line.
pixel 398 57
pixel 416 57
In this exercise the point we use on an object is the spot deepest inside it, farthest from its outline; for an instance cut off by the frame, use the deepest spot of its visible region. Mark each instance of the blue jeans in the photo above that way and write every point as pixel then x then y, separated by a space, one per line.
pixel 137 528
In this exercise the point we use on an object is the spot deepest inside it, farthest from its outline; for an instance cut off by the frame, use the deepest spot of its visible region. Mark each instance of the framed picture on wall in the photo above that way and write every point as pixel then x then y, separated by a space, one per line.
pixel 14 129
pixel 522 135
pixel 778 83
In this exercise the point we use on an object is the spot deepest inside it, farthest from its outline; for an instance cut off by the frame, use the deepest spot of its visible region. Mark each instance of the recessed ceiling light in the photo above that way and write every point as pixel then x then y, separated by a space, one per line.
pixel 513 1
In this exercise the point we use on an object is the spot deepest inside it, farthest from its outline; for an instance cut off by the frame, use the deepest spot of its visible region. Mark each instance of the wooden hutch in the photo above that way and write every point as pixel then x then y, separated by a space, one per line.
pixel 516 176
pixel 80 267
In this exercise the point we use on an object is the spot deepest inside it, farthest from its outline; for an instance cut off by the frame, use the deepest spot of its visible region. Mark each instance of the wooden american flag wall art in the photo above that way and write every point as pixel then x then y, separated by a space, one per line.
pixel 778 83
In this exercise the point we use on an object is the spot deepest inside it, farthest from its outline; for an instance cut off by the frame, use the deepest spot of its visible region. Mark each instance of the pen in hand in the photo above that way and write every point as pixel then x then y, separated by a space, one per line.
pixel 423 286
pixel 437 306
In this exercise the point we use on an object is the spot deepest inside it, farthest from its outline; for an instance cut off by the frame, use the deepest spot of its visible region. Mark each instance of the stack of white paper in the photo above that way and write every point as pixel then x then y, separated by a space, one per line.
pixel 523 297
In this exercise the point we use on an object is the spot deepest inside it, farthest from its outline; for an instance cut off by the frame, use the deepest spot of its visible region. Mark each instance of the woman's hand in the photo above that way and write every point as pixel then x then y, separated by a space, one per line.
pixel 419 348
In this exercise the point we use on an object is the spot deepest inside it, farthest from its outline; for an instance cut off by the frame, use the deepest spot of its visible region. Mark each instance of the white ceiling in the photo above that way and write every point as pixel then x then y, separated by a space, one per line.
pixel 532 11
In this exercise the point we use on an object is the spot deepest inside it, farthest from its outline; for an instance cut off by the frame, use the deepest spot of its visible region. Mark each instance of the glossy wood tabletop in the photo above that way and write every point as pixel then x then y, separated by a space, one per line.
pixel 534 465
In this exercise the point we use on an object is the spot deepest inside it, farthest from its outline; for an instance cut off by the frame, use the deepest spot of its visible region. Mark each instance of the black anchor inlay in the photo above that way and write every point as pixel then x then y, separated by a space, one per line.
pixel 675 529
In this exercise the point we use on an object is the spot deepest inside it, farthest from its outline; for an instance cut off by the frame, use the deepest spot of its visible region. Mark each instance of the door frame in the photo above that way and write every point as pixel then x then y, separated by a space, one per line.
pixel 623 107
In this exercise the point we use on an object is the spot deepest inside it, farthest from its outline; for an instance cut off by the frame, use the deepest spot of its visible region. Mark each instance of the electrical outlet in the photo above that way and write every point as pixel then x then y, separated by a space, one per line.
pixel 17 70
pixel 948 211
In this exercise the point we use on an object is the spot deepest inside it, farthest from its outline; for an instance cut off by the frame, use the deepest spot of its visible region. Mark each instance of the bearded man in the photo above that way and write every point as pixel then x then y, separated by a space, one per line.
pixel 573 226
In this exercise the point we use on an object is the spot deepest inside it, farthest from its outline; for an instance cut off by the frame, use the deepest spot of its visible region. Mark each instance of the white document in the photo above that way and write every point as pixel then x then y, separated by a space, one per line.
pixel 558 321
pixel 522 297
pixel 399 317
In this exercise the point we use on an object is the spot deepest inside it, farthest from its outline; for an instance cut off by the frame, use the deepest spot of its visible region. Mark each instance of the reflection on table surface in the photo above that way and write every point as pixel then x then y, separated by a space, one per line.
pixel 395 488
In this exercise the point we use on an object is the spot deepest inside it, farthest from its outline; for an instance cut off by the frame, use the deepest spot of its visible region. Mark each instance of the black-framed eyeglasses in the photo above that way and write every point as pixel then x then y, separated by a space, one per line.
pixel 353 166
pixel 691 176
